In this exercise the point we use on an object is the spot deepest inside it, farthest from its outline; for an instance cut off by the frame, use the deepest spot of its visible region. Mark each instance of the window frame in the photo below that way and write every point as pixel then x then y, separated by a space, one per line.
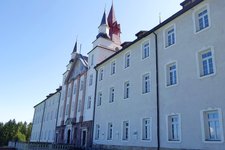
pixel 113 67
pixel 204 128
pixel 99 100
pixel 143 56
pixel 111 92
pixel 89 102
pixel 195 18
pixel 165 36
pixel 144 85
pixel 167 74
pixel 109 130
pixel 101 74
pixel 199 62
pixel 90 80
pixel 126 96
pixel 97 132
pixel 127 59
pixel 168 126
pixel 142 129
pixel 123 127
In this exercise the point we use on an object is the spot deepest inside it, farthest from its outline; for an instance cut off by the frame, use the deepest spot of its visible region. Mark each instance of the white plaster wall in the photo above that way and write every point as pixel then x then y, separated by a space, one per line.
pixel 193 94
pixel 50 114
pixel 36 127
pixel 133 109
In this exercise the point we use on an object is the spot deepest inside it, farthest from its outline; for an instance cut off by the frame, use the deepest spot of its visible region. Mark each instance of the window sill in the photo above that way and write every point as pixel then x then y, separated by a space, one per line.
pixel 207 76
pixel 202 30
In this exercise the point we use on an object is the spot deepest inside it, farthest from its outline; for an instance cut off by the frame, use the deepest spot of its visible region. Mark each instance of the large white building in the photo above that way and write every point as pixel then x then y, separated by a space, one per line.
pixel 164 90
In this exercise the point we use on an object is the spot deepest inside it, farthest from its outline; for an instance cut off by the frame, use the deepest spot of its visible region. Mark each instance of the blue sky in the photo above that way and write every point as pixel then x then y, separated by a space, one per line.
pixel 37 38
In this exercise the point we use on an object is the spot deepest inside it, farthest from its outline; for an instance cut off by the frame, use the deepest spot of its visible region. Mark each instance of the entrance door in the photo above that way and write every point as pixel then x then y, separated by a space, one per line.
pixel 84 138
pixel 68 137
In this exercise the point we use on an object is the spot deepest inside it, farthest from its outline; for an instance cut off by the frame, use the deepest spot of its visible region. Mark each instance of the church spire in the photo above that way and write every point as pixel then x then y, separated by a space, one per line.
pixel 103 29
pixel 75 47
pixel 111 17
pixel 103 22
pixel 114 27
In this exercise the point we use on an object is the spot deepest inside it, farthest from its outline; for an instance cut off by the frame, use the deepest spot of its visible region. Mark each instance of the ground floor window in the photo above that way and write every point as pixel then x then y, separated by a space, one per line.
pixel 174 127
pixel 212 125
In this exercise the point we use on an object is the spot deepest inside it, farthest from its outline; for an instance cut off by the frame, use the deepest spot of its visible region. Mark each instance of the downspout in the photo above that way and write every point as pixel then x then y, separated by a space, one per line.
pixel 157 91
pixel 96 79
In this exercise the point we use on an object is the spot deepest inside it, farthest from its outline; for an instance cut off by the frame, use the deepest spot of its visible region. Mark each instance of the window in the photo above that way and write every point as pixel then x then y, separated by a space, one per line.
pixel 145 50
pixel 68 92
pixel 125 130
pixel 67 109
pixel 113 67
pixel 91 80
pixel 206 63
pixel 146 83
pixel 146 130
pixel 79 106
pixel 112 94
pixel 99 102
pixel 101 74
pixel 170 37
pixel 92 59
pixel 127 60
pixel 126 90
pixel 81 85
pixel 97 132
pixel 212 125
pixel 89 102
pixel 202 19
pixel 171 74
pixel 110 131
pixel 74 89
pixel 173 128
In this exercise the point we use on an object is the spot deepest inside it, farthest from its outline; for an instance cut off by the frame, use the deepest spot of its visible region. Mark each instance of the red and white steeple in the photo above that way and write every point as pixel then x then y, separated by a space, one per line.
pixel 114 27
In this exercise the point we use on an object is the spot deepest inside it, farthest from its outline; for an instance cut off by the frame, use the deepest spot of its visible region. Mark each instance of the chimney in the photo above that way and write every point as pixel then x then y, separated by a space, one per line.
pixel 187 3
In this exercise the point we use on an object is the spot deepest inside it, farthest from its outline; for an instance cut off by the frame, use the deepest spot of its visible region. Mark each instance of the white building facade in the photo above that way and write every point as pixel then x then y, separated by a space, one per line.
pixel 165 88
pixel 45 118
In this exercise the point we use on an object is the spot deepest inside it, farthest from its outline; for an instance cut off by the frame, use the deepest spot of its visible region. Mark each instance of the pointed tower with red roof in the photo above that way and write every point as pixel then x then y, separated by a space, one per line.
pixel 114 27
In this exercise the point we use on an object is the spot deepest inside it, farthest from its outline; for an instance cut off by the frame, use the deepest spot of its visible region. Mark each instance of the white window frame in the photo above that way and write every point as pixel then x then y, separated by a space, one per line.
pixel 89 102
pixel 79 106
pixel 92 59
pixel 195 17
pixel 143 49
pixel 110 131
pixel 167 74
pixel 168 124
pixel 143 129
pixel 126 90
pixel 99 100
pixel 200 65
pixel 127 60
pixel 144 91
pixel 123 132
pixel 111 94
pixel 101 74
pixel 165 35
pixel 204 125
pixel 90 79
pixel 81 85
pixel 113 67
pixel 97 132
